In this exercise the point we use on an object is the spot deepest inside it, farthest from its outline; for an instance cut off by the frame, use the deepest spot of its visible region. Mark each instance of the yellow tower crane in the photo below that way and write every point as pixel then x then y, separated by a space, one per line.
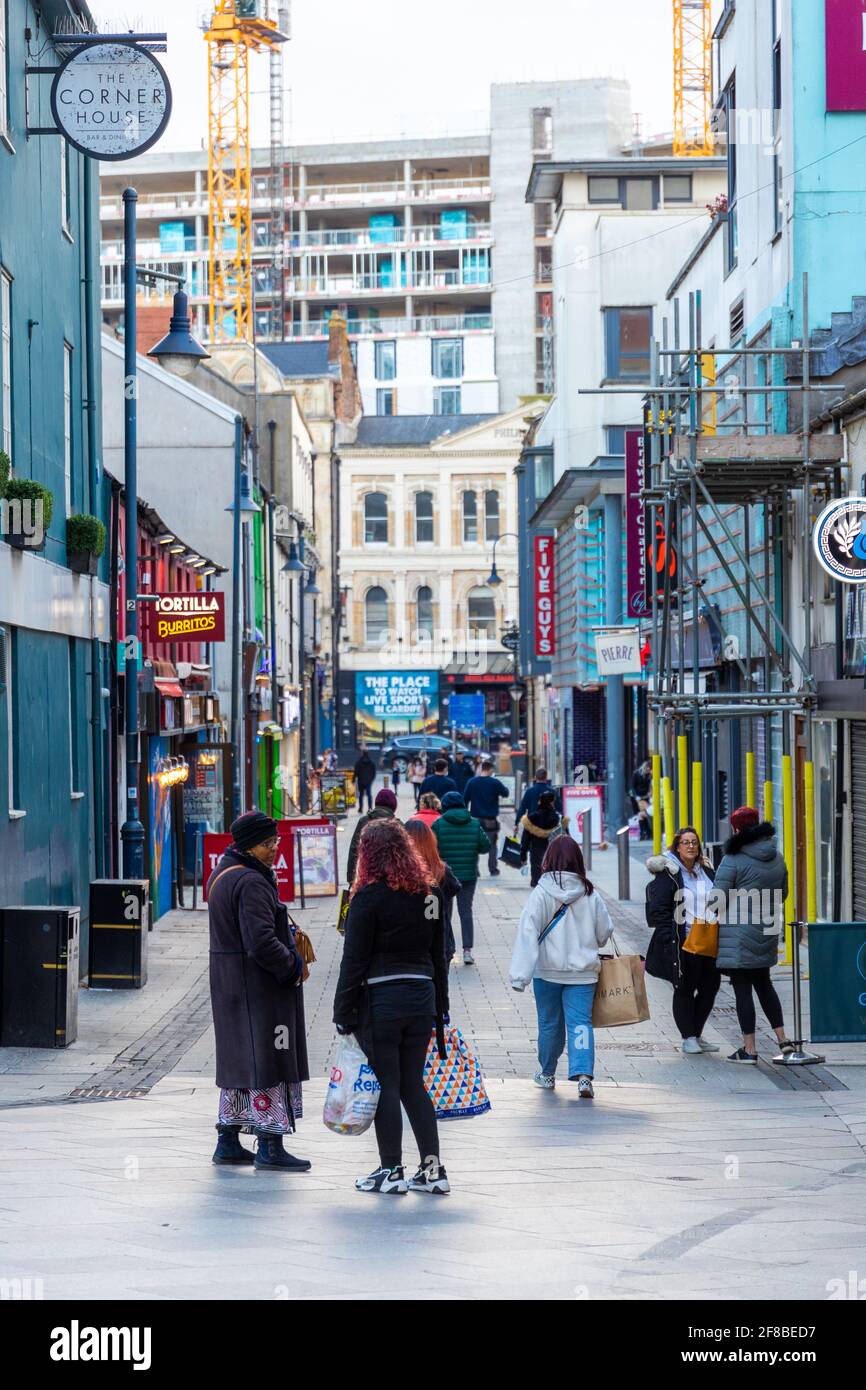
pixel 693 77
pixel 236 28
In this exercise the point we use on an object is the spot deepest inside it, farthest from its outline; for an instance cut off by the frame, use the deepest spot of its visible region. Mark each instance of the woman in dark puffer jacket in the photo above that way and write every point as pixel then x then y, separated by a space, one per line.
pixel 539 828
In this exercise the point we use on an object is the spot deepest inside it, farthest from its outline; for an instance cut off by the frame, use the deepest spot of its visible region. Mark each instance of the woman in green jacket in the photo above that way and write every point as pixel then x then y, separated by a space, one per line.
pixel 461 838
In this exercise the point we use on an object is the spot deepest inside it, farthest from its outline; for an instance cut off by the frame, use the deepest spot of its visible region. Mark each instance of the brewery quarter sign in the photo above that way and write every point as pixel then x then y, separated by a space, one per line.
pixel 111 100
pixel 196 617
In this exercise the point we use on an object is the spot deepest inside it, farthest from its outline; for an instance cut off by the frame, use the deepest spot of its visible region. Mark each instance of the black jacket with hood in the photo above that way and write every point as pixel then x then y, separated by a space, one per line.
pixel 663 953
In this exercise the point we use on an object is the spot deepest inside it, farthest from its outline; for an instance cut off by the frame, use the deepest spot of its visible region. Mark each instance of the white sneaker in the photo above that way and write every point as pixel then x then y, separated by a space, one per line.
pixel 431 1177
pixel 707 1046
pixel 388 1180
pixel 584 1088
pixel 468 958
pixel 546 1083
pixel 692 1045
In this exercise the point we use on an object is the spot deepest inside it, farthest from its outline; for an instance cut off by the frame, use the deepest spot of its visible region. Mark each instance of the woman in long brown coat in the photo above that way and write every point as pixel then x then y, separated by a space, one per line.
pixel 258 1001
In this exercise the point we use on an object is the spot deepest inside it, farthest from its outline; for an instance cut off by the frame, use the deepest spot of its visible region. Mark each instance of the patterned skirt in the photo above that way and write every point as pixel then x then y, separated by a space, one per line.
pixel 273 1110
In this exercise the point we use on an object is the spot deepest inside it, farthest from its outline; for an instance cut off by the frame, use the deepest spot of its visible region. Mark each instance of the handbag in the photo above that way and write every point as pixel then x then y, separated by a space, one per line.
pixel 303 946
pixel 511 851
pixel 620 992
pixel 702 938
pixel 343 911
pixel 454 1082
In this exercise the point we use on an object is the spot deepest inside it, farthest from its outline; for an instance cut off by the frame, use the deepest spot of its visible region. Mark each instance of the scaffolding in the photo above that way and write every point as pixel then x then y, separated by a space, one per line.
pixel 708 484
pixel 693 77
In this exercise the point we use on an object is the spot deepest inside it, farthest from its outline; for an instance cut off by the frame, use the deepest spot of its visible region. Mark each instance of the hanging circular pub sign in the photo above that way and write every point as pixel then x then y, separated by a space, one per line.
pixel 839 539
pixel 111 100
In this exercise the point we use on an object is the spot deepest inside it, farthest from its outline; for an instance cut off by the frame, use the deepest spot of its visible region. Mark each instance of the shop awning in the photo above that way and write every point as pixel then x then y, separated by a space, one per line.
pixel 168 687
pixel 494 664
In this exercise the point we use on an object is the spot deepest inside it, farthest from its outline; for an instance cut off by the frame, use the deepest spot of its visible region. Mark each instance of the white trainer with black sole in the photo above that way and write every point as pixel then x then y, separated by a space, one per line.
pixel 468 958
pixel 431 1177
pixel 707 1046
pixel 390 1181
pixel 584 1088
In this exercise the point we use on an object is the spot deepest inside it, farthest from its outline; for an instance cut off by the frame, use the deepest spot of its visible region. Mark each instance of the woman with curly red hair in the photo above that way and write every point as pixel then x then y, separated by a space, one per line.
pixel 393 988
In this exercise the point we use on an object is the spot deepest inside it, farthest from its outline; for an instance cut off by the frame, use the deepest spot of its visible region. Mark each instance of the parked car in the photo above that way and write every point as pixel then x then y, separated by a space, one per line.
pixel 400 751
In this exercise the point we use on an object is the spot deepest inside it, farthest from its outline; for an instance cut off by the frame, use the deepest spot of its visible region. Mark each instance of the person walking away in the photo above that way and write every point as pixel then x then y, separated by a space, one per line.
pixel 641 789
pixel 563 924
pixel 461 839
pixel 385 808
pixel 539 829
pixel 482 796
pixel 440 782
pixel 392 991
pixel 753 877
pixel 461 772
pixel 256 995
pixel 424 840
pixel 417 772
pixel 365 776
pixel 429 810
pixel 676 897
pixel 529 800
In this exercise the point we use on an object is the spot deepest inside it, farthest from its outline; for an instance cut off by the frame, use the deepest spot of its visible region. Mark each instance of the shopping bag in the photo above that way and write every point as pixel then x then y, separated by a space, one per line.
pixel 702 938
pixel 353 1090
pixel 620 992
pixel 454 1083
pixel 511 851
pixel 343 911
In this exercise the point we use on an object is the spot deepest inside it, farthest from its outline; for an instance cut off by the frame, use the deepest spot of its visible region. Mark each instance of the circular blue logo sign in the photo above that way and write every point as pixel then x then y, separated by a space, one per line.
pixel 839 540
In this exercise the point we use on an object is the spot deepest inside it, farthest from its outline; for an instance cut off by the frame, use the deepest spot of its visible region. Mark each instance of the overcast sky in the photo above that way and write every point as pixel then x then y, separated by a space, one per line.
pixel 391 67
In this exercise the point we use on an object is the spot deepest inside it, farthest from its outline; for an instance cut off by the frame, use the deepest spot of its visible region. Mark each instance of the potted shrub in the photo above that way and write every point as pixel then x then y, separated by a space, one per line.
pixel 85 542
pixel 22 529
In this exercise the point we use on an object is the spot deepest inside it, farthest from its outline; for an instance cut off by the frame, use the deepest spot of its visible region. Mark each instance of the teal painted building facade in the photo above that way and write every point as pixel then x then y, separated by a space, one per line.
pixel 54 625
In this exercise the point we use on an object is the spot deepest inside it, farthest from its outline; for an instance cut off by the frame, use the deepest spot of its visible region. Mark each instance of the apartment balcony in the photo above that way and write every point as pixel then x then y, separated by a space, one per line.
pixel 193 270
pixel 357 286
pixel 168 205
pixel 155 250
pixel 449 190
pixel 419 324
pixel 379 238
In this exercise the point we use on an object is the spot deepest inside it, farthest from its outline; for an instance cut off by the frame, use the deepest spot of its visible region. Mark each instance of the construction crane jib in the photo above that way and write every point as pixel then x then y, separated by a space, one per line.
pixel 693 77
pixel 236 28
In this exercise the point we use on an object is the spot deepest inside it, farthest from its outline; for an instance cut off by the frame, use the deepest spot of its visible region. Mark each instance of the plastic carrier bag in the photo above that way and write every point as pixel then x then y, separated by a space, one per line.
pixel 353 1090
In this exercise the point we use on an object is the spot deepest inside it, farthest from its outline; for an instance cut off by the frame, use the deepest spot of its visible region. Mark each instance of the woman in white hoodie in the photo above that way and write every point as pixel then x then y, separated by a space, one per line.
pixel 559 934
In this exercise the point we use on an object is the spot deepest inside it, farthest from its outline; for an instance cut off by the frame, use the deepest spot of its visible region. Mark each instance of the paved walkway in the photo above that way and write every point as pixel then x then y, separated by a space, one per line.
pixel 686 1177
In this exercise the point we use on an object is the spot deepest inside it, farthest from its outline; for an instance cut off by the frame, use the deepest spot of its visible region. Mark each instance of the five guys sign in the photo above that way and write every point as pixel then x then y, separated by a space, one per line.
pixel 543 609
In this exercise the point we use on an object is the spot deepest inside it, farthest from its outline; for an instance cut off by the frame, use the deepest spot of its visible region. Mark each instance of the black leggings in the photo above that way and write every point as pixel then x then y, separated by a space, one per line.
pixel 399 1052
pixel 744 981
pixel 695 995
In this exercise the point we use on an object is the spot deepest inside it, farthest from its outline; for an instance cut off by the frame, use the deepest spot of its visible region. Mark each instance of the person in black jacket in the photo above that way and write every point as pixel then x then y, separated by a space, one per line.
pixel 392 990
pixel 440 782
pixel 365 776
pixel 675 898
pixel 539 829
pixel 257 997
pixel 461 771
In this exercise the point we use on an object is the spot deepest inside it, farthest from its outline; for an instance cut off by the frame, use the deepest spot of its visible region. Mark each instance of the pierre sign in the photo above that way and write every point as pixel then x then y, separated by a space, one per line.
pixel 111 100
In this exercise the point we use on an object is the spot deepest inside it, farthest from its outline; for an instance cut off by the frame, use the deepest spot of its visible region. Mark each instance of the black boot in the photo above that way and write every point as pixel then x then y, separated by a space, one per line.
pixel 271 1154
pixel 229 1148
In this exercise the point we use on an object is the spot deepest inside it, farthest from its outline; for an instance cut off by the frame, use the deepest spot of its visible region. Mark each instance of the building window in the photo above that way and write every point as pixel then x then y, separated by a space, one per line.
pixel 542 130
pixel 678 188
pixel 627 334
pixel 481 612
pixel 386 362
pixel 386 400
pixel 470 517
pixel 4 73
pixel 446 400
pixel 375 519
pixel 778 195
pixel 74 724
pixel 614 441
pixel 424 612
pixel 65 187
pixel 544 265
pixel 447 358
pixel 543 476
pixel 729 106
pixel 603 190
pixel 424 517
pixel 641 195
pixel 6 361
pixel 375 615
pixel 491 515
pixel 544 219
pixel 67 425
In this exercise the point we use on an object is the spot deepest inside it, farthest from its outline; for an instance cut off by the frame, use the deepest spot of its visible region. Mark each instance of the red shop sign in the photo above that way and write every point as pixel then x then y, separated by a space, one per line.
pixel 214 846
pixel 185 617
pixel 543 599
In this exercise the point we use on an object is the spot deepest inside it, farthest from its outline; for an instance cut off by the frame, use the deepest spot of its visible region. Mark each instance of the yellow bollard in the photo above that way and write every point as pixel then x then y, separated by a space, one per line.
pixel 768 800
pixel 788 840
pixel 698 798
pixel 668 796
pixel 751 793
pixel 809 817
pixel 683 777
pixel 657 803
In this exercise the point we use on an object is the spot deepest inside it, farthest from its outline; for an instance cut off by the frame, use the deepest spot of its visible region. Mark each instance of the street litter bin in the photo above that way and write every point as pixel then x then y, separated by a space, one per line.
pixel 39 998
pixel 118 933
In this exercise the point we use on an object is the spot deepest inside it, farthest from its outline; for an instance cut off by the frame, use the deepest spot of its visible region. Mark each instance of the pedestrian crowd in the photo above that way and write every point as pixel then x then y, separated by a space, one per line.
pixel 392 992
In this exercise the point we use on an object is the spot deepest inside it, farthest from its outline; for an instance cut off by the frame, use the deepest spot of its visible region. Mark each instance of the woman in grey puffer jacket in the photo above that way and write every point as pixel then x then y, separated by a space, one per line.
pixel 753 876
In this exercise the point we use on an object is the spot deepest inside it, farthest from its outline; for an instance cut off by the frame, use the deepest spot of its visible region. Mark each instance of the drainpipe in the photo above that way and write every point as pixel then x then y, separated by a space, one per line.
pixel 615 702
pixel 237 750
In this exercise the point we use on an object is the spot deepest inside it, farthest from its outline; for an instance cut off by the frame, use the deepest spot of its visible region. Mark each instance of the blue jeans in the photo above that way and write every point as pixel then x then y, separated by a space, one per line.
pixel 565 1011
